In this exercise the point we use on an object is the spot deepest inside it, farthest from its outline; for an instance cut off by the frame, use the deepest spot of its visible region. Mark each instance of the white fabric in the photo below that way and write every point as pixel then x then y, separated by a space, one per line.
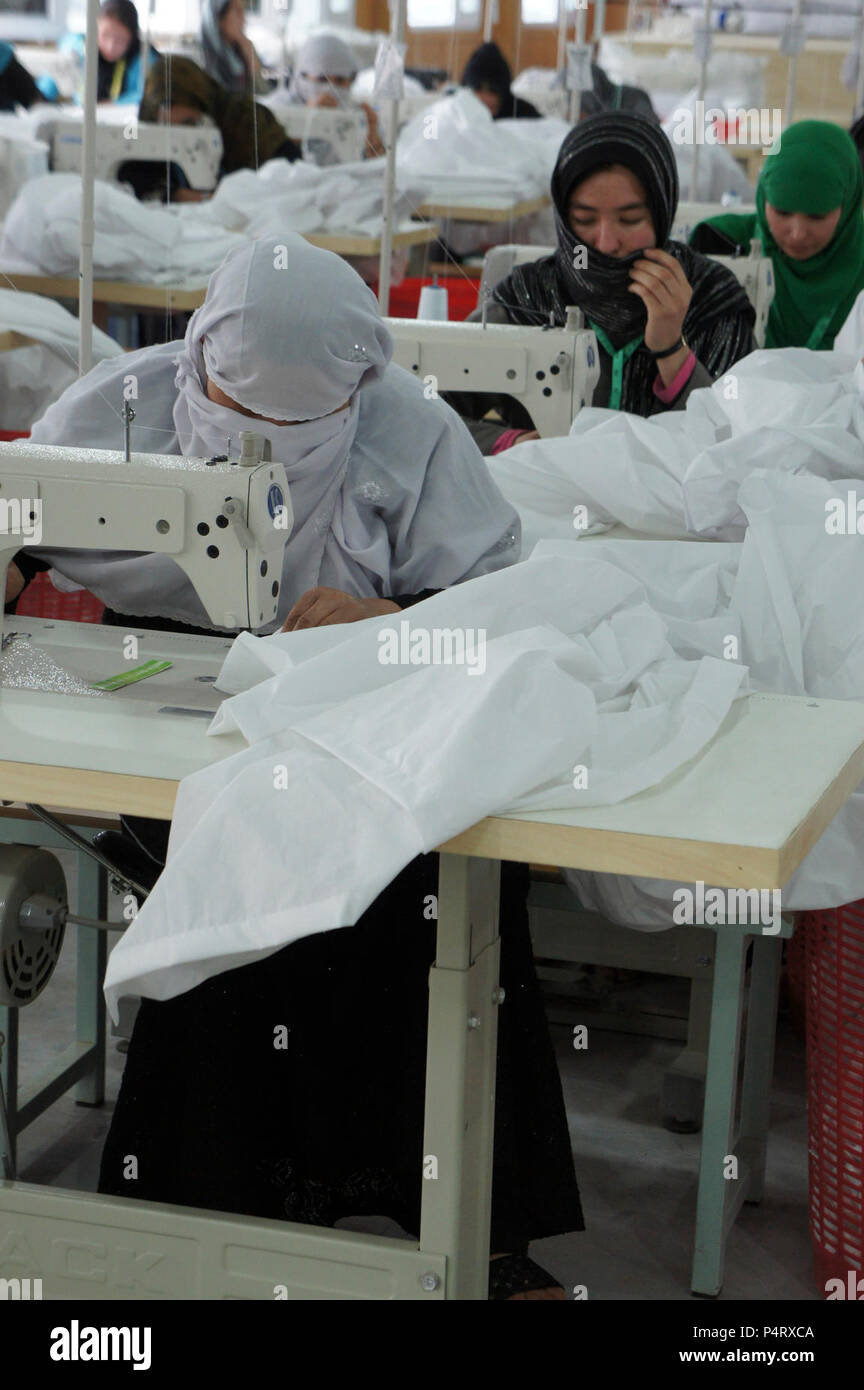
pixel 21 160
pixel 362 88
pixel 133 240
pixel 33 377
pixel 717 172
pixel 851 336
pixel 456 147
pixel 303 197
pixel 678 473
pixel 754 458
pixel 381 762
pixel 390 497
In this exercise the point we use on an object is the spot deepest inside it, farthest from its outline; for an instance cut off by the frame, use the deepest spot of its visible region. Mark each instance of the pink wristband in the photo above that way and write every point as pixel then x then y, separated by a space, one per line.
pixel 666 394
pixel 506 440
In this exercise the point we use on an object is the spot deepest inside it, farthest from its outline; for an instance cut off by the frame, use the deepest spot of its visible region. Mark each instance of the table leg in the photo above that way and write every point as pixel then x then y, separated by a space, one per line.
pixel 9 1077
pixel 718 1123
pixel 759 1059
pixel 460 1074
pixel 91 961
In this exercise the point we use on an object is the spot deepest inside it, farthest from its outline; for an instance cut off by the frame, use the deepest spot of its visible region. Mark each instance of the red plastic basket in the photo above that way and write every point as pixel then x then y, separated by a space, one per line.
pixel 462 294
pixel 41 600
pixel 834 947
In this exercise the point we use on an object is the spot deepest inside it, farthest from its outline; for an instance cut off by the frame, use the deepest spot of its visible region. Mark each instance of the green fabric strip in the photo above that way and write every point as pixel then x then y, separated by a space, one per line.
pixel 620 357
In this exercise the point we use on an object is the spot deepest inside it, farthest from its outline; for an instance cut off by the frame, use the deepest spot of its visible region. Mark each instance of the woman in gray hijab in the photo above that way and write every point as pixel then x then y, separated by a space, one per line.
pixel 324 70
pixel 227 54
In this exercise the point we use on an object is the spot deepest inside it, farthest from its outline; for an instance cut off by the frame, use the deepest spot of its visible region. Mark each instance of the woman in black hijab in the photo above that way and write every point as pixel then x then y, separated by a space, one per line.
pixel 487 73
pixel 667 319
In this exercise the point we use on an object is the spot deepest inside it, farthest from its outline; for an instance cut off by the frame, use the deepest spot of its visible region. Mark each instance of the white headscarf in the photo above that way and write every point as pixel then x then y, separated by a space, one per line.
pixel 222 60
pixel 291 333
pixel 390 495
pixel 322 56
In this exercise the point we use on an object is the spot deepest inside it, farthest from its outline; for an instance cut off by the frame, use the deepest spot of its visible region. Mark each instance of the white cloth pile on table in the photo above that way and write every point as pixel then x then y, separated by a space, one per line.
pixel 454 149
pixel 765 456
pixel 347 198
pixel 133 240
pixel 718 173
pixel 34 376
pixel 678 473
pixel 354 765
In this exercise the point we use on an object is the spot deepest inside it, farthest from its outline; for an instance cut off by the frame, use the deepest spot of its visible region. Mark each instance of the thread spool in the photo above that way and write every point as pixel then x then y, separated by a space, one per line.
pixel 433 302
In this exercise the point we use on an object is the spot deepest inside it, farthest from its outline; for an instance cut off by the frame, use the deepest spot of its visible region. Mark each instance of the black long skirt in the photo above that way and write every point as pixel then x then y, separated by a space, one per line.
pixel 293 1088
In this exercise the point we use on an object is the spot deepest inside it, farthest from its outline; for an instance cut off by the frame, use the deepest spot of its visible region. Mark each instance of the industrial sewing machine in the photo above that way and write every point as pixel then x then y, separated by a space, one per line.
pixel 753 271
pixel 224 522
pixel 196 150
pixel 689 215
pixel 344 129
pixel 551 371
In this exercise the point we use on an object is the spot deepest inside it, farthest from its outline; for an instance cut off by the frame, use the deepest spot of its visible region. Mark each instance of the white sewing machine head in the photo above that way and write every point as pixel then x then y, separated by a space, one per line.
pixel 551 371
pixel 344 129
pixel 196 150
pixel 224 523
pixel 689 215
pixel 755 273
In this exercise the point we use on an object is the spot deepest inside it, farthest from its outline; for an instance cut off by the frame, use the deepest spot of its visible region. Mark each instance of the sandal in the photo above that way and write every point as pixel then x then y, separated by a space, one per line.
pixel 517 1274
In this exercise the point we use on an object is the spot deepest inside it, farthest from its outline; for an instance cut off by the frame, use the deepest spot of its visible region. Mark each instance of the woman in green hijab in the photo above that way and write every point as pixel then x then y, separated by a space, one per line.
pixel 810 221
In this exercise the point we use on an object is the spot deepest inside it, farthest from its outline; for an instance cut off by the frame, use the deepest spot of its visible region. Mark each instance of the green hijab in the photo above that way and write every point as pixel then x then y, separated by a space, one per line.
pixel 178 80
pixel 813 168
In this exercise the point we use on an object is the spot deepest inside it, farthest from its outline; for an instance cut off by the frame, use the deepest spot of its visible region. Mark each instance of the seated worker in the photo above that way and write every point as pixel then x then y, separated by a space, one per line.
pixel 177 92
pixel 17 86
pixel 227 55
pixel 121 78
pixel 487 74
pixel 809 219
pixel 324 71
pixel 290 337
pixel 667 319
pixel 606 95
pixel 391 498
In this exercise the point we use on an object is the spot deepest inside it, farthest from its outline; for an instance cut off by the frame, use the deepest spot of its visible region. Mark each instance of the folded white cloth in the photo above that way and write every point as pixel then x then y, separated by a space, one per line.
pixel 133 240
pixel 355 766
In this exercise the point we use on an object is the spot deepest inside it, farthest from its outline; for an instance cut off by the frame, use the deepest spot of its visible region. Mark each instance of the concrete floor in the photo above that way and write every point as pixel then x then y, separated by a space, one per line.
pixel 638 1181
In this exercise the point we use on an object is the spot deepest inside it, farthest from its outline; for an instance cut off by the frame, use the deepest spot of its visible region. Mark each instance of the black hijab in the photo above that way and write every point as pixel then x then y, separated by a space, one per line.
pixel 487 67
pixel 719 322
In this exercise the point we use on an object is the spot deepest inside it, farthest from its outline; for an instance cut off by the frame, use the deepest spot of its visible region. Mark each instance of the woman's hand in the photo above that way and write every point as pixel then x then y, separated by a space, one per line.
pixel 14 581
pixel 320 607
pixel 666 292
pixel 189 195
pixel 374 143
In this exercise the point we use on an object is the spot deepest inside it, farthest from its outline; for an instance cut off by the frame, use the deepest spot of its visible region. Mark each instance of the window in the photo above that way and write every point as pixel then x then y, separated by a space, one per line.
pixel 544 11
pixel 445 14
pixel 40 20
